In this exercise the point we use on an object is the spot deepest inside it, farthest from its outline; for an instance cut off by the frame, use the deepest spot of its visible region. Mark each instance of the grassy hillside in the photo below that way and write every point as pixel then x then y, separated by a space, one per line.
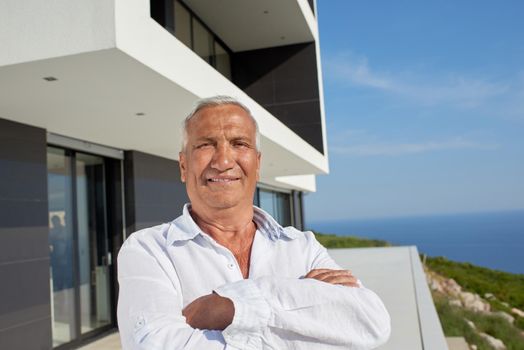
pixel 453 320
pixel 334 241
pixel 506 287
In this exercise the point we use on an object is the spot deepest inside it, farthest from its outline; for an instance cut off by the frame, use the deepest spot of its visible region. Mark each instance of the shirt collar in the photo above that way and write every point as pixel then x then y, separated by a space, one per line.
pixel 185 228
pixel 269 226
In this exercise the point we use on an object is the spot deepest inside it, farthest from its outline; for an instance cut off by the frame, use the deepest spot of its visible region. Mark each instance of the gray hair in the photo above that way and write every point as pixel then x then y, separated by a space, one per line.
pixel 215 101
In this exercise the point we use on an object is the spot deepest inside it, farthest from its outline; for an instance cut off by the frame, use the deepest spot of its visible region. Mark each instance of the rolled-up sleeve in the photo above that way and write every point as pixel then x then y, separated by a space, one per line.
pixel 149 308
pixel 252 313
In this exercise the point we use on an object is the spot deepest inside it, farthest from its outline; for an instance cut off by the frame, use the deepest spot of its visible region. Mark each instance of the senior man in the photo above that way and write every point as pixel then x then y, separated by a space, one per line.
pixel 225 274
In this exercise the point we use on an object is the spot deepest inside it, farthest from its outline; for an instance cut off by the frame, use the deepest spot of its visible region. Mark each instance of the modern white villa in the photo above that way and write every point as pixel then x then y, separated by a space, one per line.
pixel 92 97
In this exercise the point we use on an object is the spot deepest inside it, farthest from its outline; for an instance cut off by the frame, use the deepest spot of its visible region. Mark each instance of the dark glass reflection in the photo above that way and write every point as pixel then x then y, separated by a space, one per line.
pixel 92 242
pixel 61 246
pixel 277 204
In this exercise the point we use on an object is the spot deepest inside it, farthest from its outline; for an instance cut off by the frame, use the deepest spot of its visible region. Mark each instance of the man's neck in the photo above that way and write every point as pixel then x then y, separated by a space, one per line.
pixel 232 228
pixel 225 225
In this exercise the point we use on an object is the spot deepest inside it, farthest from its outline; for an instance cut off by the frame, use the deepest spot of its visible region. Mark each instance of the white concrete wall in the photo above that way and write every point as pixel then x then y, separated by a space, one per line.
pixel 36 29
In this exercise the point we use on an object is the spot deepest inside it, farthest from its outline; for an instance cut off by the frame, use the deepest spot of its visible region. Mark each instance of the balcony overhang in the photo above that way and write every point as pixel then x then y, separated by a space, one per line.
pixel 127 83
pixel 269 23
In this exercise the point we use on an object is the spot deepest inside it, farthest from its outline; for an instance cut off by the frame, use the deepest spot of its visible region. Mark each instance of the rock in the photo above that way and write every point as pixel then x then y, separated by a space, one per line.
pixel 467 297
pixel 505 316
pixel 505 304
pixel 495 343
pixel 470 324
pixel 473 347
pixel 474 302
pixel 517 312
pixel 435 285
pixel 478 306
pixel 489 296
pixel 453 287
pixel 455 302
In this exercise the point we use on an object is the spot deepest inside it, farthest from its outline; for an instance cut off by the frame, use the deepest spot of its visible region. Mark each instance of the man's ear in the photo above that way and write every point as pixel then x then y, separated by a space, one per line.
pixel 182 166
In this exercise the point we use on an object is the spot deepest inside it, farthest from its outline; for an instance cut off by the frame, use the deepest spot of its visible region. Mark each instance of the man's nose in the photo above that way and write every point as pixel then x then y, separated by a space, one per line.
pixel 223 158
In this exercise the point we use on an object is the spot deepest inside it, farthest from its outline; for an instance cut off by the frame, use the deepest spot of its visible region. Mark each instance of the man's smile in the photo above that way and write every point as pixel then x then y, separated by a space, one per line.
pixel 222 179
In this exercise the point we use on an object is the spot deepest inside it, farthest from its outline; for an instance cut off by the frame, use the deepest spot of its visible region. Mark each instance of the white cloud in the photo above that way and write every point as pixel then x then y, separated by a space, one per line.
pixel 398 149
pixel 428 89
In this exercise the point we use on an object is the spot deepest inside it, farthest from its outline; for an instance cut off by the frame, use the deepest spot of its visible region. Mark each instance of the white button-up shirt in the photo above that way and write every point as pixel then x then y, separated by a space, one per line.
pixel 164 268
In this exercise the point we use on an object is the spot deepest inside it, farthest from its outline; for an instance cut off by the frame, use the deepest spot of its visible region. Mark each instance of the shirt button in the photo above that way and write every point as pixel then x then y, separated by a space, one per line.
pixel 230 265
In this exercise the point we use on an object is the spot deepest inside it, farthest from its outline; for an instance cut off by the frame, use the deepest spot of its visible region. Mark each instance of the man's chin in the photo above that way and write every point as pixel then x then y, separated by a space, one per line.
pixel 223 202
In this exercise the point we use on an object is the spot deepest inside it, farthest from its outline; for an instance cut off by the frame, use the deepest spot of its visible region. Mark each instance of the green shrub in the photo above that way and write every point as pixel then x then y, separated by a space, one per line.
pixel 519 322
pixel 506 287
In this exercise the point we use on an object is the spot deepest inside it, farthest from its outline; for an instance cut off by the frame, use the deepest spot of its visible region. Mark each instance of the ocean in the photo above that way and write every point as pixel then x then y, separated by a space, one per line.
pixel 494 240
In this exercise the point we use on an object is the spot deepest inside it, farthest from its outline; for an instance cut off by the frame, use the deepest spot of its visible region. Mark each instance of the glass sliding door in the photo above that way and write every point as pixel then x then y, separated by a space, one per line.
pixel 61 244
pixel 93 251
pixel 79 247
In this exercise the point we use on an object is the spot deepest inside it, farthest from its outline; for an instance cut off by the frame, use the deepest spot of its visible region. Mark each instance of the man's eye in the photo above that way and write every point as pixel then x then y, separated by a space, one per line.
pixel 203 145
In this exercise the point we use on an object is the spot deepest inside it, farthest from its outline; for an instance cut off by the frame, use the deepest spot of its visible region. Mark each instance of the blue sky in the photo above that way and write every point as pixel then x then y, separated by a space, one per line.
pixel 424 107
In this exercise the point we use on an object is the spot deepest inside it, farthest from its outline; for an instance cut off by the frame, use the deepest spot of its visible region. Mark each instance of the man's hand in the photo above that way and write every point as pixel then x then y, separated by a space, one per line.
pixel 342 277
pixel 209 312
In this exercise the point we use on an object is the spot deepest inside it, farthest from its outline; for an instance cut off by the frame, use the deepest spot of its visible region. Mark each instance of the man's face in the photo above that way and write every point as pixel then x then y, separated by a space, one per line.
pixel 220 164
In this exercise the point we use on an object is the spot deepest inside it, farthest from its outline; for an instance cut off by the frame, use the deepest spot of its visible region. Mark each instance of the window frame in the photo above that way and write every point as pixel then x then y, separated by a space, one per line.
pixel 214 38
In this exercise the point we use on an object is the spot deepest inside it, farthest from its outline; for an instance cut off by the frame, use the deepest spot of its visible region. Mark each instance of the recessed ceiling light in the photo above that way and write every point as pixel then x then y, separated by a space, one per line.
pixel 266 12
pixel 140 114
pixel 50 79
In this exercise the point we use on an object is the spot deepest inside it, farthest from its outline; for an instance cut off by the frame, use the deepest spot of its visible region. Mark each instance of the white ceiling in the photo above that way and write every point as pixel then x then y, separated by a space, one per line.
pixel 268 22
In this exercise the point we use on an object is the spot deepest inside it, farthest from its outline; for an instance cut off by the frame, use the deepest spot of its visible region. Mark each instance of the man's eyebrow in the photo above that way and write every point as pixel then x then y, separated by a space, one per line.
pixel 246 139
pixel 240 138
pixel 205 138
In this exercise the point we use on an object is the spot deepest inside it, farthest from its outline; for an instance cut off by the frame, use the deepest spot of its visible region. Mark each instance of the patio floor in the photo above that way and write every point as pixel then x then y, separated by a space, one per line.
pixel 110 342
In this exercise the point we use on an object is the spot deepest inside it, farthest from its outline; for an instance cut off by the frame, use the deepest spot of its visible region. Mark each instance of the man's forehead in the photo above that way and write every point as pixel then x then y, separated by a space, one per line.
pixel 229 117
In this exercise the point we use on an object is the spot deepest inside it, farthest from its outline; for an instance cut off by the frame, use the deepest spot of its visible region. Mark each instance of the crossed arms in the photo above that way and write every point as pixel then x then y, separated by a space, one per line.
pixel 216 312
pixel 262 313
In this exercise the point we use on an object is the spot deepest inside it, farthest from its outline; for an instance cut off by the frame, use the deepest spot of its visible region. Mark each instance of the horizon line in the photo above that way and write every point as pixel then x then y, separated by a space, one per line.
pixel 409 216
